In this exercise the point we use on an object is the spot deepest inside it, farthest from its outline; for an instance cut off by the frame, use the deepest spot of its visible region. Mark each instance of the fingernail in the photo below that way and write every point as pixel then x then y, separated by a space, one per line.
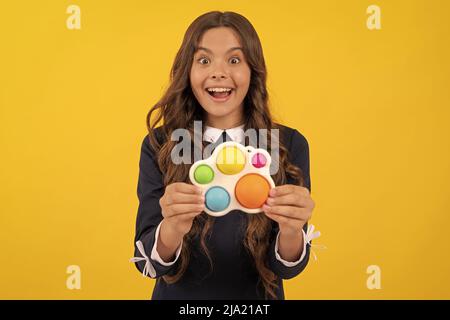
pixel 272 192
pixel 270 201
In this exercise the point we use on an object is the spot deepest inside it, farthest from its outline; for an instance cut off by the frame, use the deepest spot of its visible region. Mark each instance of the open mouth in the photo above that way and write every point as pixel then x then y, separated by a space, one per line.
pixel 220 94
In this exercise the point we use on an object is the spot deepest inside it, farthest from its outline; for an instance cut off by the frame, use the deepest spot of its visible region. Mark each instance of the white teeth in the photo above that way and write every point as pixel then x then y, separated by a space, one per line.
pixel 219 89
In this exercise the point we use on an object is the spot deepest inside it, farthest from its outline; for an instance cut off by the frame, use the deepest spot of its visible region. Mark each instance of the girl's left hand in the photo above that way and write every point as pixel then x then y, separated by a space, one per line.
pixel 291 206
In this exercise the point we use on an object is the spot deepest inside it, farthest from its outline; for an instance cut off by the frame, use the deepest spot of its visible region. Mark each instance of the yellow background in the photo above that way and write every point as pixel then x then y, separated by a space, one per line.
pixel 374 106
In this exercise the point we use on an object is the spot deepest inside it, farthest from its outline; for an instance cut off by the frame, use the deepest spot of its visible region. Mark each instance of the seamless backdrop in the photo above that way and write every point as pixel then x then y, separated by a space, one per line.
pixel 373 104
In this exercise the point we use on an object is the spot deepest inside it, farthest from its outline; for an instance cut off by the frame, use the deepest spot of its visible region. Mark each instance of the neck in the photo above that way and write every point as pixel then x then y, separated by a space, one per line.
pixel 228 122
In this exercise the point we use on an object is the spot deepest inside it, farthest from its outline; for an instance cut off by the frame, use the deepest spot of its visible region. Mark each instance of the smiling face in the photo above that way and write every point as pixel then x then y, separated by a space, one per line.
pixel 220 77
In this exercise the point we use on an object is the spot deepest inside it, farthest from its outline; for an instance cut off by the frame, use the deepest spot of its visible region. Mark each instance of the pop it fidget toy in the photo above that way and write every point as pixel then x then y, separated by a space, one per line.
pixel 233 177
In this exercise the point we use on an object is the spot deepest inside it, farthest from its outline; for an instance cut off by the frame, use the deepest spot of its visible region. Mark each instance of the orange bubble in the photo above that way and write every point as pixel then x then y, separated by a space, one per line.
pixel 252 190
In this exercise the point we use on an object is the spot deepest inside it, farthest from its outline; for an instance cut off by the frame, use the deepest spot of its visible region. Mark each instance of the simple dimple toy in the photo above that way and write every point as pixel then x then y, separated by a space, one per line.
pixel 233 177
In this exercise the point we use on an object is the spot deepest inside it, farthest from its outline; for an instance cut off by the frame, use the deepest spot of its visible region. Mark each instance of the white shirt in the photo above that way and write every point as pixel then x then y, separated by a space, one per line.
pixel 212 134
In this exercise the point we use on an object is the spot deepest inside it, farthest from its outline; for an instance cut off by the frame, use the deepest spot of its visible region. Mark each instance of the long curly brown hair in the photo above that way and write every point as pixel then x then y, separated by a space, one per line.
pixel 178 108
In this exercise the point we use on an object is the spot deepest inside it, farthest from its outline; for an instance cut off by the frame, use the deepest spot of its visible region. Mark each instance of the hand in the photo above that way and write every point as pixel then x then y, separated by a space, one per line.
pixel 180 204
pixel 291 206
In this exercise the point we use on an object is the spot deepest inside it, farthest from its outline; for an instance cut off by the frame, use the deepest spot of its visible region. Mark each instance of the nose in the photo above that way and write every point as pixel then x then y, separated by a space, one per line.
pixel 219 72
pixel 216 75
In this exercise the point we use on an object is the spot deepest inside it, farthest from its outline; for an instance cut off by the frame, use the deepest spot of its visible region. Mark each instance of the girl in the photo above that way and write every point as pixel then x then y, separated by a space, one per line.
pixel 237 256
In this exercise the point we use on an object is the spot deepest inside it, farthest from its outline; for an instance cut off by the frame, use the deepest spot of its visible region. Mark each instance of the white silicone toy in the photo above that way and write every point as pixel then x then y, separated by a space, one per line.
pixel 240 171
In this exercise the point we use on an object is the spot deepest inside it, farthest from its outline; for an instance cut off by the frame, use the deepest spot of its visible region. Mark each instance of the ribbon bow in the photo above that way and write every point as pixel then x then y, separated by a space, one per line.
pixel 148 268
pixel 311 235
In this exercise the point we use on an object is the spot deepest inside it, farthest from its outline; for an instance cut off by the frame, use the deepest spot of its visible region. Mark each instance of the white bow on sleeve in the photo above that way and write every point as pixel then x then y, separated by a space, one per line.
pixel 148 268
pixel 311 235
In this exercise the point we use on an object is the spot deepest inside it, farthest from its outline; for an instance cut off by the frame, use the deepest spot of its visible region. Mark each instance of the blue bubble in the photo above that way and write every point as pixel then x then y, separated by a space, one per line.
pixel 217 199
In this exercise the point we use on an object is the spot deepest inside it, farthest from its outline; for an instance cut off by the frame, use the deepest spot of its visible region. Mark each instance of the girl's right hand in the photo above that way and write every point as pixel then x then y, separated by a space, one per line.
pixel 180 204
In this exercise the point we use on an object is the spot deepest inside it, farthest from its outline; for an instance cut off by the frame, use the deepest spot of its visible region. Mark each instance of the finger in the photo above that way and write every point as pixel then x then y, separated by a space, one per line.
pixel 286 211
pixel 277 218
pixel 186 188
pixel 291 199
pixel 283 221
pixel 188 215
pixel 288 188
pixel 179 198
pixel 281 190
pixel 179 209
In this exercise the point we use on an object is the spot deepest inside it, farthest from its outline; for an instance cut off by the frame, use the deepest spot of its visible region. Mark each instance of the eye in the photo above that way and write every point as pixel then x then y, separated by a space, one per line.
pixel 200 60
pixel 235 59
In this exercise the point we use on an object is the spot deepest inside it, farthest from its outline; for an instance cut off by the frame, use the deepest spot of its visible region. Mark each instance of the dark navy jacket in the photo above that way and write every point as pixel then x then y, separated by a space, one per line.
pixel 234 275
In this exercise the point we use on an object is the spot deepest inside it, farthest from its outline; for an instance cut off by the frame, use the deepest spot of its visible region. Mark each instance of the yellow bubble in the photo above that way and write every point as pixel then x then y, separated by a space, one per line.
pixel 230 160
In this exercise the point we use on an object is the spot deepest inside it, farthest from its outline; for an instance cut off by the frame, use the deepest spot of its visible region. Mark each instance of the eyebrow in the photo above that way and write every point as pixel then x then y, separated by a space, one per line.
pixel 209 50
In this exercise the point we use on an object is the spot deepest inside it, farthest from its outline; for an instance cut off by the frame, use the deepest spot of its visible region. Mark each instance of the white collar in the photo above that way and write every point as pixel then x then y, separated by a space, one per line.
pixel 211 134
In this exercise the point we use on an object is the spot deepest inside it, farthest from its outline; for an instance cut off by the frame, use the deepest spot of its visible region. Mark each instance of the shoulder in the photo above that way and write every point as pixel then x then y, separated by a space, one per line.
pixel 291 138
pixel 159 134
pixel 146 146
pixel 298 151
